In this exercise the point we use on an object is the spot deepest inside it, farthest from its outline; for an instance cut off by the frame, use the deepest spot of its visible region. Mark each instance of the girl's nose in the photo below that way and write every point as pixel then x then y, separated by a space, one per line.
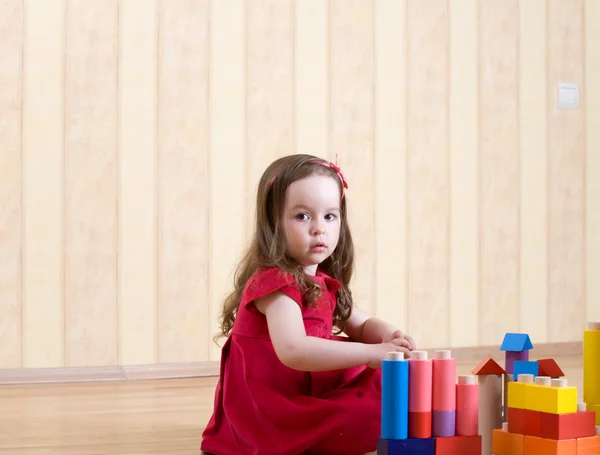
pixel 318 228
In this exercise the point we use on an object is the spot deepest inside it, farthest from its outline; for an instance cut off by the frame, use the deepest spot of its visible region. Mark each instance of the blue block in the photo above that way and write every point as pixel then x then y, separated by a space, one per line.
pixel 516 342
pixel 394 399
pixel 411 446
pixel 525 367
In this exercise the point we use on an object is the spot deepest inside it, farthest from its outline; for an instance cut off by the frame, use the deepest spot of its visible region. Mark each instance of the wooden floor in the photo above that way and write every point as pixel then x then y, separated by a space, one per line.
pixel 163 417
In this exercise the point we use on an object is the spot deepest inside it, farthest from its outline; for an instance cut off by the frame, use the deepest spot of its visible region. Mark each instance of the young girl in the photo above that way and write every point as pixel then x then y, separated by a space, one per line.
pixel 289 384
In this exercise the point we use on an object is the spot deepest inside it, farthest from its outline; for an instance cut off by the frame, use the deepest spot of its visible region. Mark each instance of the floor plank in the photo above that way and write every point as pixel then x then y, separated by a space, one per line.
pixel 126 417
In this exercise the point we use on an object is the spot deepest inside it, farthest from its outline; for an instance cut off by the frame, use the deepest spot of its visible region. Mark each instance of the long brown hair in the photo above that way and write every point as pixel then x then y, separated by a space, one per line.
pixel 267 247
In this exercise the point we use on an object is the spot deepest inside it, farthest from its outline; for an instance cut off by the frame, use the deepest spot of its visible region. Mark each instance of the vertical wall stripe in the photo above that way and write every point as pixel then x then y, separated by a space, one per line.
pixel 390 162
pixel 183 180
pixel 428 186
pixel 11 54
pixel 270 113
pixel 566 152
pixel 90 180
pixel 533 266
pixel 42 161
pixel 351 130
pixel 137 275
pixel 311 76
pixel 591 102
pixel 227 155
pixel 499 168
pixel 463 162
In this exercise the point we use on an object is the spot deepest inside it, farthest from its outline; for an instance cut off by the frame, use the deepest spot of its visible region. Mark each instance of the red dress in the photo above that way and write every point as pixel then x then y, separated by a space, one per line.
pixel 263 407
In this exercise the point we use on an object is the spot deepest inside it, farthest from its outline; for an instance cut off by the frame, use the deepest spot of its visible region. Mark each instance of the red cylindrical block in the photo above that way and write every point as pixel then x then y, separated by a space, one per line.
pixel 420 380
pixel 419 425
pixel 444 382
pixel 467 406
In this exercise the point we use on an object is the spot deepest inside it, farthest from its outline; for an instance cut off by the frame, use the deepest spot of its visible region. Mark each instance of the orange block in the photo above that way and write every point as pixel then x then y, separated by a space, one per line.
pixel 458 445
pixel 568 426
pixel 541 446
pixel 588 446
pixel 505 443
pixel 419 425
pixel 525 422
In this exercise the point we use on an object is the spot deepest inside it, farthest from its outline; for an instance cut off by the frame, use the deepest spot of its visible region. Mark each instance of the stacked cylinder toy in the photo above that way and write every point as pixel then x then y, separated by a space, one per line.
pixel 467 406
pixel 591 368
pixel 425 410
pixel 394 403
pixel 443 394
pixel 420 395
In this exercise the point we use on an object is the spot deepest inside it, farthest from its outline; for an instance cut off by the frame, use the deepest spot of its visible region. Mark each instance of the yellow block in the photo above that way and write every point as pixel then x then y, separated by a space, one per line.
pixel 591 367
pixel 595 408
pixel 552 400
pixel 518 392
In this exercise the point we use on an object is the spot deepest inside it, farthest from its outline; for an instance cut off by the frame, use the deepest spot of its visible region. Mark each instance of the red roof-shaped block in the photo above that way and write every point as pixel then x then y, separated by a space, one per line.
pixel 549 367
pixel 487 367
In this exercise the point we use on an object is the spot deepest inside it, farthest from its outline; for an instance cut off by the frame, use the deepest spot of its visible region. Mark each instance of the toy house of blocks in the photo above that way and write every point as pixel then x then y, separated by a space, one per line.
pixel 425 411
pixel 544 418
pixel 516 347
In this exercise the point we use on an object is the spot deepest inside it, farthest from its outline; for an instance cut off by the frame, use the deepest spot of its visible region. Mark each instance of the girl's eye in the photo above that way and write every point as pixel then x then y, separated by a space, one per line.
pixel 302 216
pixel 330 217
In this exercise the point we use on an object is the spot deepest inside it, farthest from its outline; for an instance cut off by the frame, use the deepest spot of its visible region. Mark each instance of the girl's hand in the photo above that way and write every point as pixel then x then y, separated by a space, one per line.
pixel 380 351
pixel 405 340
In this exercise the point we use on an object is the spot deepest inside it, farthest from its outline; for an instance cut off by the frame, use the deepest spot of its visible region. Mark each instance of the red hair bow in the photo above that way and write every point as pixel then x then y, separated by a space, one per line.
pixel 339 172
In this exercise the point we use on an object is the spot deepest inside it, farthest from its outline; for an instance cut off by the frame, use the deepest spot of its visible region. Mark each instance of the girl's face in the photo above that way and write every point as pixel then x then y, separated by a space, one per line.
pixel 311 220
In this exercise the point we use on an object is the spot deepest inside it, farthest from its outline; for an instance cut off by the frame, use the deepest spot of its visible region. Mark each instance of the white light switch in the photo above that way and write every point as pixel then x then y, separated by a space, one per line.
pixel 568 96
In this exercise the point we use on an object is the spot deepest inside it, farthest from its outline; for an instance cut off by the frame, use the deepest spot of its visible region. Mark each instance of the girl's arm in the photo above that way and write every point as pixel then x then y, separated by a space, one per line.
pixel 369 329
pixel 299 351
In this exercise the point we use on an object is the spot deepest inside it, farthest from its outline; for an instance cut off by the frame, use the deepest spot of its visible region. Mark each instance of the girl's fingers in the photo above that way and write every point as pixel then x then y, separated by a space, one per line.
pixel 410 340
pixel 402 342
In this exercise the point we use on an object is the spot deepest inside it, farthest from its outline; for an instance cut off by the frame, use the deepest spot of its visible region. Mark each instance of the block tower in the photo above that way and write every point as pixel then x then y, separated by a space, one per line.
pixel 516 347
pixel 543 414
pixel 424 409
pixel 490 376
pixel 545 418
pixel 591 368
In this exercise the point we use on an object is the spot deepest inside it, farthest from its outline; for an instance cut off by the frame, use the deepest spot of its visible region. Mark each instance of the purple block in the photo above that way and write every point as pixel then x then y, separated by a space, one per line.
pixel 511 356
pixel 444 424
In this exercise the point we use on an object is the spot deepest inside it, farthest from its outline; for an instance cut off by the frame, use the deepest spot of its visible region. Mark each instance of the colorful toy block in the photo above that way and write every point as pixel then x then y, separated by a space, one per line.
pixel 424 409
pixel 406 446
pixel 591 368
pixel 458 445
pixel 516 347
pixel 519 391
pixel 551 426
pixel 596 409
pixel 489 375
pixel 549 367
pixel 505 443
pixel 588 446
pixel 543 415
pixel 525 422
pixel 524 367
pixel 394 397
pixel 567 426
pixel 420 376
pixel 556 398
pixel 541 446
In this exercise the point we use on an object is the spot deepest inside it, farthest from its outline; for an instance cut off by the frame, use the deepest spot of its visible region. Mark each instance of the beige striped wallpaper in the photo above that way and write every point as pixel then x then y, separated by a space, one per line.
pixel 133 133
